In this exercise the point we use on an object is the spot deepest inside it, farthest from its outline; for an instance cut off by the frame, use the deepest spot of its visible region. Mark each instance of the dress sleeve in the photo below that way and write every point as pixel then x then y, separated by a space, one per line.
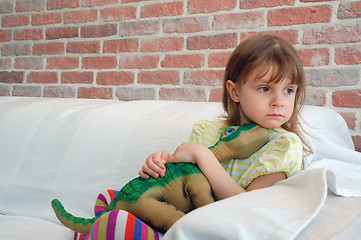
pixel 206 132
pixel 284 153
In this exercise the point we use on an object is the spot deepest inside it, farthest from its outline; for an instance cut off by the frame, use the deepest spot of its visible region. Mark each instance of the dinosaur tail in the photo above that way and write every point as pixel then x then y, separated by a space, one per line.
pixel 78 224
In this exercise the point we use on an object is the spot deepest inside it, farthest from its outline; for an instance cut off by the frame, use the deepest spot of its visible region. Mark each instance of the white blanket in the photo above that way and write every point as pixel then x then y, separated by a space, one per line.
pixel 290 209
pixel 343 179
pixel 278 212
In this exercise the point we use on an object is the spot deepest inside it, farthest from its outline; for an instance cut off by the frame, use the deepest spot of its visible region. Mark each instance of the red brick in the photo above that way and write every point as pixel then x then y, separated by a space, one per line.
pixel 102 62
pixel 290 36
pixel 48 48
pixel 61 4
pixel 347 98
pixel 314 57
pixel 333 77
pixel 120 45
pixel 299 15
pixel 218 59
pixel 162 9
pixel 115 78
pixel 357 142
pixel 62 63
pixel 5 63
pixel 186 25
pixel 246 4
pixel 28 34
pixel 343 33
pixel 206 6
pixel 348 55
pixel 182 94
pixel 98 31
pixel 162 44
pixel 27 91
pixel 216 95
pixel 83 47
pixel 315 96
pixel 138 62
pixel 77 77
pixel 349 10
pixel 313 1
pixel 42 77
pixel 7 6
pixel 29 63
pixel 29 5
pixel 15 20
pixel 159 77
pixel 204 77
pixel 139 93
pixel 94 92
pixel 4 90
pixel 183 61
pixel 15 49
pixel 91 3
pixel 141 27
pixel 61 32
pixel 5 35
pixel 59 92
pixel 118 13
pixel 239 20
pixel 11 77
pixel 81 16
pixel 46 18
pixel 131 1
pixel 221 41
pixel 350 118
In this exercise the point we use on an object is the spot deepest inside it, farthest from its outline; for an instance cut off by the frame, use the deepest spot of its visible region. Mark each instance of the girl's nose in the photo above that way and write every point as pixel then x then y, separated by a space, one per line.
pixel 277 100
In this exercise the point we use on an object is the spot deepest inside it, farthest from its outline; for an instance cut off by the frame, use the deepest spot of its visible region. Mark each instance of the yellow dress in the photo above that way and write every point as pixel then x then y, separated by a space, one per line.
pixel 283 152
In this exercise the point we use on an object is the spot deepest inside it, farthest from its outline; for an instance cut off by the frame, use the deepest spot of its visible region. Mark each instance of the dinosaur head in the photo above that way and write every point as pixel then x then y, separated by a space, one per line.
pixel 240 142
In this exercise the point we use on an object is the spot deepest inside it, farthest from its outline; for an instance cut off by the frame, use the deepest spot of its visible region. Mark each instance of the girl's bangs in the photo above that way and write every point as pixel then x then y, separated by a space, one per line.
pixel 280 70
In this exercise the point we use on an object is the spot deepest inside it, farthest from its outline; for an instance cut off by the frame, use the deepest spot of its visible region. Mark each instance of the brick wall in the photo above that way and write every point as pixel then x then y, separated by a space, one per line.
pixel 175 49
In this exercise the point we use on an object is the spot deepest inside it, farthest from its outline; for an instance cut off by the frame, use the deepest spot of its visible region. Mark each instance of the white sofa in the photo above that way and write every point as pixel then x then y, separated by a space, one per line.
pixel 73 149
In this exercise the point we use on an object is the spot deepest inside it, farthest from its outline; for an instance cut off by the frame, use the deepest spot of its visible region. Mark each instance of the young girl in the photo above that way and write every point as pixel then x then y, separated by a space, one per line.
pixel 264 83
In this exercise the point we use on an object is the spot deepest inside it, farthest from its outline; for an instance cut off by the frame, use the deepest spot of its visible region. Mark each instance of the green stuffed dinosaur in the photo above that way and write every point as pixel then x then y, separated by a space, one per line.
pixel 162 201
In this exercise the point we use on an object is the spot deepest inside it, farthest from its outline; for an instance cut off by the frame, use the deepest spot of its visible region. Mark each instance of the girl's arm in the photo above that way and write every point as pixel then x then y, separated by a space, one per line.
pixel 222 183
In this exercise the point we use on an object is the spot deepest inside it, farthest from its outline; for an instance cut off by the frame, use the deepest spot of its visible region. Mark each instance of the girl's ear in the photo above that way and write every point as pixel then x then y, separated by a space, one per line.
pixel 232 90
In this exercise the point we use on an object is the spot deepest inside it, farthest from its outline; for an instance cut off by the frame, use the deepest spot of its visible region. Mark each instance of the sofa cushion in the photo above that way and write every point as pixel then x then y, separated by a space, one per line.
pixel 73 149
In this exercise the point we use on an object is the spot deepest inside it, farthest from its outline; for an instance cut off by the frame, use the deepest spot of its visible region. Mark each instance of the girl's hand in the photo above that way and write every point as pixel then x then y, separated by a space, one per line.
pixel 189 152
pixel 154 165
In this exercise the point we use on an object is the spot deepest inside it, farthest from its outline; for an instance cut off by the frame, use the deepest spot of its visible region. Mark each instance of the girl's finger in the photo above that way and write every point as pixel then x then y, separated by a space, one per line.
pixel 143 174
pixel 149 171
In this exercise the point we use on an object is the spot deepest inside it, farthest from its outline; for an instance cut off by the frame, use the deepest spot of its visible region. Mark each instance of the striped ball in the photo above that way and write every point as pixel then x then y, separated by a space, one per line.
pixel 118 224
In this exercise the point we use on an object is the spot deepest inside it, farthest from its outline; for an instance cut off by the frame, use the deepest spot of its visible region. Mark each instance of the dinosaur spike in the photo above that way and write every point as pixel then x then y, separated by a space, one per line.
pixel 78 224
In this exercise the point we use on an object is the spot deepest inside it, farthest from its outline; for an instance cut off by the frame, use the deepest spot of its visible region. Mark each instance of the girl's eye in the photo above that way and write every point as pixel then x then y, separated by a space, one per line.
pixel 229 131
pixel 263 89
pixel 289 90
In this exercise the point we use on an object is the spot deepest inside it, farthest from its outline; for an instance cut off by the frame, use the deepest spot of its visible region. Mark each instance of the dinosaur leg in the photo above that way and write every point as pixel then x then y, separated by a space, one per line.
pixel 159 215
pixel 198 189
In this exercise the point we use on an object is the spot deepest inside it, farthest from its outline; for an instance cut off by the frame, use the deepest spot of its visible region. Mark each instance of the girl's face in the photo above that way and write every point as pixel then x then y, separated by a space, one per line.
pixel 269 104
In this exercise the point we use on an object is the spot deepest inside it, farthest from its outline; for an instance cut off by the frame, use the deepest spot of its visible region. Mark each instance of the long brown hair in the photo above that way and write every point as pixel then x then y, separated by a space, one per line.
pixel 261 52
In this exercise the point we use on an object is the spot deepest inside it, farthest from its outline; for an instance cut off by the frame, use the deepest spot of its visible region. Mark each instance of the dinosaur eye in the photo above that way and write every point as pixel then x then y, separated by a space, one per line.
pixel 229 131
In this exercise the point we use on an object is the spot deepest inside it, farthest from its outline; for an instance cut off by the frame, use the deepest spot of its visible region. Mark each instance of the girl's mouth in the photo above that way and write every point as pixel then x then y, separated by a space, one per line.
pixel 275 115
